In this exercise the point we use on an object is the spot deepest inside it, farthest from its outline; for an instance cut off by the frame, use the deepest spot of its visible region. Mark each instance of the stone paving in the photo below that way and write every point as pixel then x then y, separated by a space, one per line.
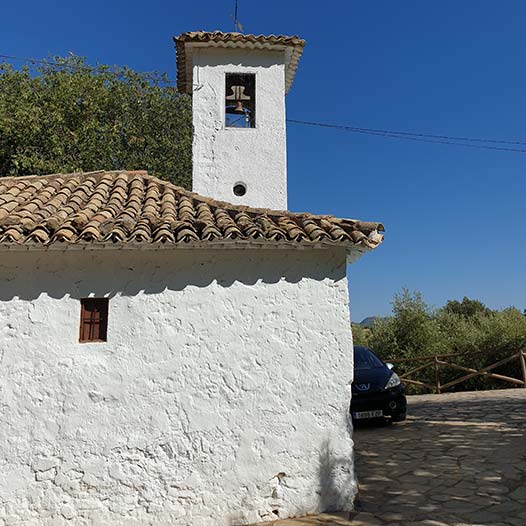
pixel 459 460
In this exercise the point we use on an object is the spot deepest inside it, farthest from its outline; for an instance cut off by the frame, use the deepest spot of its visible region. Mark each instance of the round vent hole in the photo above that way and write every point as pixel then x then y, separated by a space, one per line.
pixel 240 189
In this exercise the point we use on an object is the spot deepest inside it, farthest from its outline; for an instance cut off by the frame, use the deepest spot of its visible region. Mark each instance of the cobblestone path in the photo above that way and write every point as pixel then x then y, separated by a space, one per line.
pixel 459 460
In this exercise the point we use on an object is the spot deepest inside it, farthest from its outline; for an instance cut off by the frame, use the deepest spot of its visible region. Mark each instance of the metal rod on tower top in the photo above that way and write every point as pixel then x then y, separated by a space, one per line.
pixel 237 24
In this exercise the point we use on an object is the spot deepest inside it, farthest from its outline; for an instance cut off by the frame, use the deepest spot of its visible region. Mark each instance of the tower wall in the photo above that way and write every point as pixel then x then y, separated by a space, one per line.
pixel 255 157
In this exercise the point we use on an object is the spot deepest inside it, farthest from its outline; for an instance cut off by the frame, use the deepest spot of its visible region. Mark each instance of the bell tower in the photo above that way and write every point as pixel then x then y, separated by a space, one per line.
pixel 238 85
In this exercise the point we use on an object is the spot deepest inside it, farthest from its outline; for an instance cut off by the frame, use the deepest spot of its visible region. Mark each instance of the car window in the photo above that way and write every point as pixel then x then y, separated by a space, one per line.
pixel 366 359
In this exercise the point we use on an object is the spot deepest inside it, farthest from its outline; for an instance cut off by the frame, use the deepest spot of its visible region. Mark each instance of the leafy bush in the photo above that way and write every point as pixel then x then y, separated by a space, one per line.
pixel 480 335
pixel 361 335
pixel 411 331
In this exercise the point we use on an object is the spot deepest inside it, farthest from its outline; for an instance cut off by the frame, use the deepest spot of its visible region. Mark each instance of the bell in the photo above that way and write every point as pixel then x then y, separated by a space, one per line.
pixel 239 107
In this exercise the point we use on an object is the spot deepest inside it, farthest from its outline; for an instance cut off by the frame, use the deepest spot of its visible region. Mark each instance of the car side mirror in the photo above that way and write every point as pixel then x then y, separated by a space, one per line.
pixel 389 365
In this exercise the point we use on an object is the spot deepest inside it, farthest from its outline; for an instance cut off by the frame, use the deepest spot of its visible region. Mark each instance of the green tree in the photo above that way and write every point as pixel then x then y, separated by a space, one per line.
pixel 67 116
pixel 466 307
pixel 411 331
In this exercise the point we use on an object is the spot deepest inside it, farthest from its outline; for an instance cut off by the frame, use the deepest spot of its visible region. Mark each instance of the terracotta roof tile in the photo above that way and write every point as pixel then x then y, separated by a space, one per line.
pixel 133 208
pixel 292 45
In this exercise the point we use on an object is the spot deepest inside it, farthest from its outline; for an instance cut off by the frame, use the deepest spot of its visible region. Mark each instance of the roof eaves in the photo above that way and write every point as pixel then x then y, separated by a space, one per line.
pixel 122 209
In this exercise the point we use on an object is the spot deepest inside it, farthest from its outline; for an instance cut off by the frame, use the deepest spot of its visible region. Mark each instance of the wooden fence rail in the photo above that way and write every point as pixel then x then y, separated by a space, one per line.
pixel 440 361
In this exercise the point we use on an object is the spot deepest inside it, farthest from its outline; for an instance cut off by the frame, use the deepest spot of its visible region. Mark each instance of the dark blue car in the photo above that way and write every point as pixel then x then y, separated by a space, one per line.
pixel 376 390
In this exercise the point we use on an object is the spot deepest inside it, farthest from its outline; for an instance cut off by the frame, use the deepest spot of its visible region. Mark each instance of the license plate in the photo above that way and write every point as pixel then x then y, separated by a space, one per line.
pixel 368 414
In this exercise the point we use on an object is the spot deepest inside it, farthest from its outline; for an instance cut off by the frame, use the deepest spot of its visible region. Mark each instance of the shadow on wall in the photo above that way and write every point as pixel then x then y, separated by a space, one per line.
pixel 336 486
pixel 26 275
pixel 336 479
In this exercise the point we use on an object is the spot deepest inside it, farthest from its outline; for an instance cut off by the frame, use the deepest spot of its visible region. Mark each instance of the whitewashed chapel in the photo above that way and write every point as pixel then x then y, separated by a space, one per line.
pixel 170 357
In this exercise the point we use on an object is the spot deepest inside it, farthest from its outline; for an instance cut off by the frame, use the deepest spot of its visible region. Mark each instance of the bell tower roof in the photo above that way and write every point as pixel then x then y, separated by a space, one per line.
pixel 187 43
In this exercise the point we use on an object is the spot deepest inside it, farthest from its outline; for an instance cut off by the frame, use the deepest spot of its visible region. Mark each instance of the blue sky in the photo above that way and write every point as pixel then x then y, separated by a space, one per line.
pixel 453 216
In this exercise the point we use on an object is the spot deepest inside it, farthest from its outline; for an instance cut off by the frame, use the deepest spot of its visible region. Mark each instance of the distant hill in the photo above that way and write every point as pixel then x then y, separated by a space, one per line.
pixel 369 321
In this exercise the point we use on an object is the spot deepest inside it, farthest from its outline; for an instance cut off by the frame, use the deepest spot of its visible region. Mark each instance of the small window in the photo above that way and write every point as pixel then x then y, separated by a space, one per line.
pixel 93 319
pixel 240 100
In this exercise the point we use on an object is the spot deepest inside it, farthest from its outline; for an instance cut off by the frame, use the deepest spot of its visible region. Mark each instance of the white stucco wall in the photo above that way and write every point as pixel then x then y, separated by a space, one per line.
pixel 223 157
pixel 220 397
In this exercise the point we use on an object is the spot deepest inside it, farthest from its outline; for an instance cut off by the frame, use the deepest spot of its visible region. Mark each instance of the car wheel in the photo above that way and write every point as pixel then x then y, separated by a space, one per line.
pixel 399 417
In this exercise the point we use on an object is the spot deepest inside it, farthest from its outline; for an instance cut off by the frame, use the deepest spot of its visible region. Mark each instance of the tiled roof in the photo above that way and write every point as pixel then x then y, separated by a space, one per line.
pixel 184 43
pixel 135 209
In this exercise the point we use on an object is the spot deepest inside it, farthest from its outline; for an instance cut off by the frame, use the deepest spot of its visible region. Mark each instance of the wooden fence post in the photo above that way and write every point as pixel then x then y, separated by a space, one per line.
pixel 437 375
pixel 523 367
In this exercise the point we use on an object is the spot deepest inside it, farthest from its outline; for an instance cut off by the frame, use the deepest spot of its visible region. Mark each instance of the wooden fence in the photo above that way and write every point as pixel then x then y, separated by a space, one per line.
pixel 439 362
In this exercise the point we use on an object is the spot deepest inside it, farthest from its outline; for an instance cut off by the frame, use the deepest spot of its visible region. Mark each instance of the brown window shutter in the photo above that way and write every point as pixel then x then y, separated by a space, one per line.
pixel 93 319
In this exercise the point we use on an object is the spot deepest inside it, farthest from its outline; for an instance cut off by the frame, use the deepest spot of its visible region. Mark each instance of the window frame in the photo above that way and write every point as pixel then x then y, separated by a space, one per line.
pixel 93 313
